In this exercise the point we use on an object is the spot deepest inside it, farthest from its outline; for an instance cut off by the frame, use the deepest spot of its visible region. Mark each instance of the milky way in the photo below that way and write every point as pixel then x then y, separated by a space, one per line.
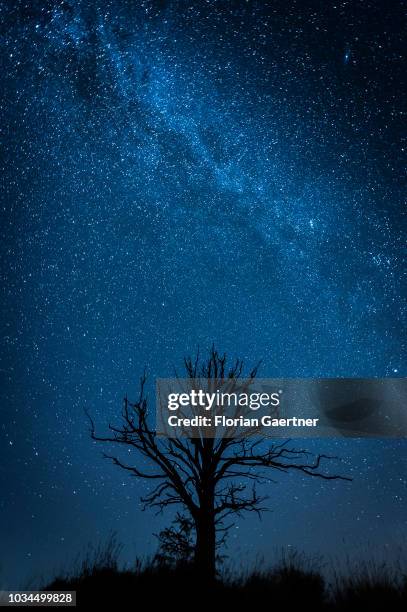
pixel 177 174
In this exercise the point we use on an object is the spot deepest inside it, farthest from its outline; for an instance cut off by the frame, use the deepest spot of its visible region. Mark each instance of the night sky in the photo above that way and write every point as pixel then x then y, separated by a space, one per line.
pixel 182 173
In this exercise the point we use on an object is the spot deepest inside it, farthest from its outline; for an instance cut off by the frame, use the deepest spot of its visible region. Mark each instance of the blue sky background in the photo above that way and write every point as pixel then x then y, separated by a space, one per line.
pixel 177 174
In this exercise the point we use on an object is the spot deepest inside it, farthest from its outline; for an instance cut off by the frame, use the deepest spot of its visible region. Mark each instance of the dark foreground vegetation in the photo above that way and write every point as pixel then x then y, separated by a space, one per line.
pixel 294 583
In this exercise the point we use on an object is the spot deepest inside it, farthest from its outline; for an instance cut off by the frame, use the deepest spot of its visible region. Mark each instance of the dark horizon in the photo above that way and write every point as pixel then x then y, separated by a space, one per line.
pixel 182 174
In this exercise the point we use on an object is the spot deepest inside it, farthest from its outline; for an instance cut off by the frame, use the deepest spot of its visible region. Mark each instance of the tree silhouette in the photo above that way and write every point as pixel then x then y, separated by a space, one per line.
pixel 176 544
pixel 212 479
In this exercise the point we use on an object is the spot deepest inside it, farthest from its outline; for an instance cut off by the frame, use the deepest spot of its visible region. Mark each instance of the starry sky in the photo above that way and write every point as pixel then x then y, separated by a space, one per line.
pixel 181 173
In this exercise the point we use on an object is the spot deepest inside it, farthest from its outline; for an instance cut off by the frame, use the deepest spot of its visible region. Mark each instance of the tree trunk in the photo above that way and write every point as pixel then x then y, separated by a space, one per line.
pixel 205 548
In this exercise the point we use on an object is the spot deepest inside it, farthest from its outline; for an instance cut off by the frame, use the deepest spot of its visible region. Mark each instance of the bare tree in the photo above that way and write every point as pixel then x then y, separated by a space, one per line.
pixel 212 479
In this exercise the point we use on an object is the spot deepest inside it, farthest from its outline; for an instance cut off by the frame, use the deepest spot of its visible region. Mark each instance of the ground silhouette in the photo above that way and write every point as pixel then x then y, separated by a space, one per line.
pixel 293 583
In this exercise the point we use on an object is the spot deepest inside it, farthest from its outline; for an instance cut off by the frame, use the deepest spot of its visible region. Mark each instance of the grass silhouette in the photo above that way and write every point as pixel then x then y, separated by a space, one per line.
pixel 294 582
